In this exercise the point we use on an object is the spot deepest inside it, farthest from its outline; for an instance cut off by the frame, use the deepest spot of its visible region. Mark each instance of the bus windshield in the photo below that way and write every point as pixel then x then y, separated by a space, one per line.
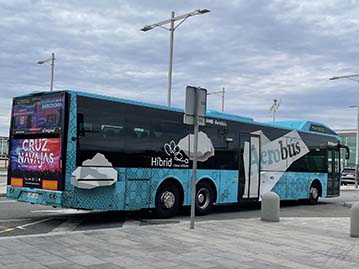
pixel 35 141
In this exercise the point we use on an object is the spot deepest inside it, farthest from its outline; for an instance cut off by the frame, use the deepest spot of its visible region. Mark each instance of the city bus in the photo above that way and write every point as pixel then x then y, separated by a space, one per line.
pixel 79 150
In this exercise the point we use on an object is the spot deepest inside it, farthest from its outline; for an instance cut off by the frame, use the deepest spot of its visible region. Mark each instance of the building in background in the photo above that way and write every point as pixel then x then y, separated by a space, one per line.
pixel 348 138
pixel 4 147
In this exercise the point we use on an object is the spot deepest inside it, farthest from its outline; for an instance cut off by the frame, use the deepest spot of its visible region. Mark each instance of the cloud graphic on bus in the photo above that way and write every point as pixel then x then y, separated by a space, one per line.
pixel 205 146
pixel 93 173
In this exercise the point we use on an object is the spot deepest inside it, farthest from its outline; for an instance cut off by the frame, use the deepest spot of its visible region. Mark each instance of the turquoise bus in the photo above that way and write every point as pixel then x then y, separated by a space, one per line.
pixel 79 150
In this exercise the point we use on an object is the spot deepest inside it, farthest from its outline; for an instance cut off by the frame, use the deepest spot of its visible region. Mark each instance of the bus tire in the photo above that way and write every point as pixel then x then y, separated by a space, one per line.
pixel 204 198
pixel 167 201
pixel 314 193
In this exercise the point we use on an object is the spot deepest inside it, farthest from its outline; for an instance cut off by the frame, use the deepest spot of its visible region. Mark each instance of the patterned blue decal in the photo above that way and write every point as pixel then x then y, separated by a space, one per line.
pixel 295 185
pixel 70 151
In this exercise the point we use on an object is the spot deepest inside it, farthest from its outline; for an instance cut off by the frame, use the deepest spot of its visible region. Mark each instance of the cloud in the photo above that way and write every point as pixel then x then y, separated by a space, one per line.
pixel 205 148
pixel 95 172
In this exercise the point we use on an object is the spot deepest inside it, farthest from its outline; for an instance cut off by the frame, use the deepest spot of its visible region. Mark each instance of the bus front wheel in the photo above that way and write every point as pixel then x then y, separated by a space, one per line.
pixel 167 200
pixel 314 193
pixel 204 198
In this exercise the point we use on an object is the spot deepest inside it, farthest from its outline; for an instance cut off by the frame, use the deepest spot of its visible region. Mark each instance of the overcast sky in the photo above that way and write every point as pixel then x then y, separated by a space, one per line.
pixel 257 50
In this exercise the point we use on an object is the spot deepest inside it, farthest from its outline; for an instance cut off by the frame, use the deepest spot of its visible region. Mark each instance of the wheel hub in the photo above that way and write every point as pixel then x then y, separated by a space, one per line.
pixel 314 193
pixel 168 199
pixel 203 198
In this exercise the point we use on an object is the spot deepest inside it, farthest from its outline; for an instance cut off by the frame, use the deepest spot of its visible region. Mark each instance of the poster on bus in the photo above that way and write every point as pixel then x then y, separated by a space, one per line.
pixel 35 160
pixel 38 113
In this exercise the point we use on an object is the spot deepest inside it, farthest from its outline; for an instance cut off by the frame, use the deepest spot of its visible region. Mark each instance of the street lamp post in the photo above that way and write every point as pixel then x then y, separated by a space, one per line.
pixel 222 94
pixel 52 60
pixel 172 28
pixel 274 108
pixel 352 77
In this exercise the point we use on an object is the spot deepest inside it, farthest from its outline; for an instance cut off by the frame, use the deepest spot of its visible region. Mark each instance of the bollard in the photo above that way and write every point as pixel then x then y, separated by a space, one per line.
pixel 270 207
pixel 354 221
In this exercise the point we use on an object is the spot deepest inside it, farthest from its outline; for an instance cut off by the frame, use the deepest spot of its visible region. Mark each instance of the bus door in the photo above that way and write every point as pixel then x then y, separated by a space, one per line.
pixel 249 167
pixel 333 172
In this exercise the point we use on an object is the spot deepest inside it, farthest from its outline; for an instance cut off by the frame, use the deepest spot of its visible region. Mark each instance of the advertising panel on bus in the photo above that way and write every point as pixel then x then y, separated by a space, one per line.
pixel 38 114
pixel 36 163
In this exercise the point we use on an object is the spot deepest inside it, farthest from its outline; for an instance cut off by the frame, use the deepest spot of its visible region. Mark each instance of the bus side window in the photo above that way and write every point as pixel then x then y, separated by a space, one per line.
pixel 330 161
pixel 157 134
pixel 314 161
pixel 111 130
pixel 80 124
pixel 337 162
pixel 140 133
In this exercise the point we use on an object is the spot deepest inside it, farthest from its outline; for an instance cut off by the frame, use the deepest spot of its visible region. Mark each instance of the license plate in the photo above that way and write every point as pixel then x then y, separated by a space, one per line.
pixel 32 195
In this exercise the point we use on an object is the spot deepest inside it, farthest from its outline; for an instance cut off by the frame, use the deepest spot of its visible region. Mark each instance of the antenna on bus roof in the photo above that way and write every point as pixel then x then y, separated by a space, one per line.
pixel 274 107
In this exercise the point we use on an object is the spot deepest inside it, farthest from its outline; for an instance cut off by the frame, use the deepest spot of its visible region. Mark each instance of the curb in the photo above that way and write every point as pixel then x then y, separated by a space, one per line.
pixel 348 189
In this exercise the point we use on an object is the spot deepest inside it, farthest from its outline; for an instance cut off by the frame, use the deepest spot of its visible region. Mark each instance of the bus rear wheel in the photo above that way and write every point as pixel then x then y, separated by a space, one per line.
pixel 167 200
pixel 204 198
pixel 314 193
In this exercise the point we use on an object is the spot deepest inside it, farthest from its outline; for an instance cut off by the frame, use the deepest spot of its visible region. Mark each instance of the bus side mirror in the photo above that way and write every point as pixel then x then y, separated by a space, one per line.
pixel 347 152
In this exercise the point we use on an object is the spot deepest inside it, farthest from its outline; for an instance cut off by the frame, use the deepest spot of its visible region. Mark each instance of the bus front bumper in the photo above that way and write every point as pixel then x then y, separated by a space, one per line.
pixel 35 196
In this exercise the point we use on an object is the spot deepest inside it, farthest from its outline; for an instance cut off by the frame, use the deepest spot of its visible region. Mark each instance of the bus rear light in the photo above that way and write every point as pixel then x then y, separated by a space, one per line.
pixel 16 182
pixel 49 184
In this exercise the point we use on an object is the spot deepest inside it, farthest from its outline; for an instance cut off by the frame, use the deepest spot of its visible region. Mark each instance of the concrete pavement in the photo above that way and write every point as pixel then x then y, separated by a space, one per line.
pixel 234 243
pixel 240 243
pixel 245 243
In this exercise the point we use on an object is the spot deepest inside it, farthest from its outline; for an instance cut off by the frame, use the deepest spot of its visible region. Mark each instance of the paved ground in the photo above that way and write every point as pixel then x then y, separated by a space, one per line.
pixel 245 243
pixel 231 237
pixel 18 218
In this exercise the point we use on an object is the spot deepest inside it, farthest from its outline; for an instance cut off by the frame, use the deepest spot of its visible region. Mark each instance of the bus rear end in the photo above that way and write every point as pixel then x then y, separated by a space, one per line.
pixel 36 142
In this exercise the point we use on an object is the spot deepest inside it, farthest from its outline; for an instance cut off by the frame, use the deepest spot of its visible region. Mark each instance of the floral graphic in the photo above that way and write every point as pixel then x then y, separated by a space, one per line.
pixel 172 149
